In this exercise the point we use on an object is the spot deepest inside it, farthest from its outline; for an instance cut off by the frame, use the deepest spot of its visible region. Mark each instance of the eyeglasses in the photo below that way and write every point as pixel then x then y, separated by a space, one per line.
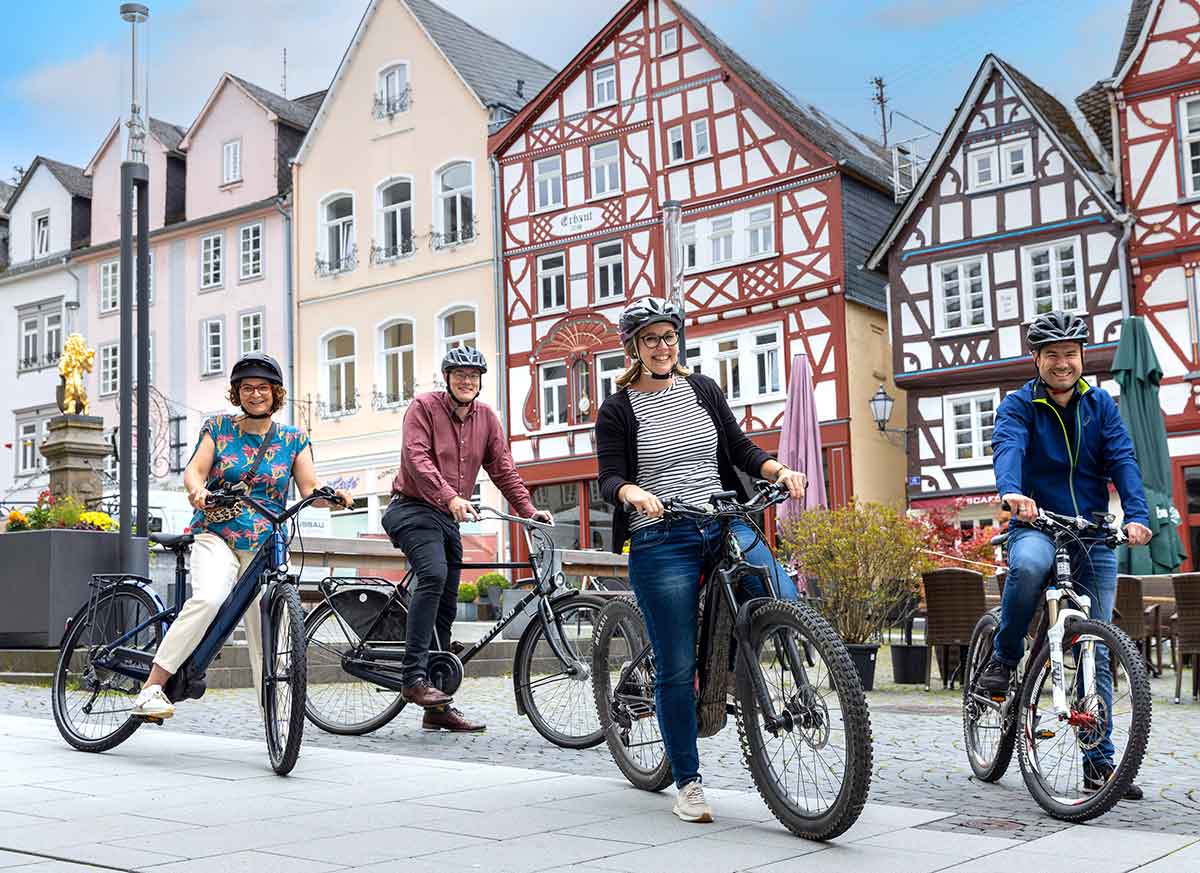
pixel 652 340
pixel 465 375
pixel 261 390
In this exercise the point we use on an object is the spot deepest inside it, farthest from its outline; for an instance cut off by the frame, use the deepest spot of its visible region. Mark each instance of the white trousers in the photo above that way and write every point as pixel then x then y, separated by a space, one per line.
pixel 214 571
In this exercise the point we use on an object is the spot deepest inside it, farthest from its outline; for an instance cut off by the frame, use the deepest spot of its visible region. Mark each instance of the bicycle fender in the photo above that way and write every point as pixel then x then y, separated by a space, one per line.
pixel 138 582
pixel 525 641
pixel 745 614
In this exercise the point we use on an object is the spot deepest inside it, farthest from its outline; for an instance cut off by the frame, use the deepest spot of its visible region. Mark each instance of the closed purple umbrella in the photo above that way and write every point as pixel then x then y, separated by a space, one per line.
pixel 800 441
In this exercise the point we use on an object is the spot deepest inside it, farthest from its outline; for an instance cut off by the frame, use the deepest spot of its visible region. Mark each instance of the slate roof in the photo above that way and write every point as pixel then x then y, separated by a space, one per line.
pixel 68 175
pixel 167 133
pixel 1138 11
pixel 490 67
pixel 1093 103
pixel 859 152
pixel 297 113
pixel 6 193
pixel 1056 116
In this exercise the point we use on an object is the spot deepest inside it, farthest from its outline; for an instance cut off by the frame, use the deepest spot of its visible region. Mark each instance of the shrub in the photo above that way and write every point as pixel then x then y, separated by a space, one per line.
pixel 490 580
pixel 467 592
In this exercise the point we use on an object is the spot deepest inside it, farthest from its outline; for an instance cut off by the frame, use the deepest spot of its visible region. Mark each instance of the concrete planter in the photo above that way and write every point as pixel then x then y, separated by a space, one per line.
pixel 45 580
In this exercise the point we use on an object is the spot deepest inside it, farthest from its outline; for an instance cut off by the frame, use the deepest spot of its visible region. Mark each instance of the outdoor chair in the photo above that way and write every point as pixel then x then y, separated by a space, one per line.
pixel 1142 623
pixel 1185 630
pixel 954 601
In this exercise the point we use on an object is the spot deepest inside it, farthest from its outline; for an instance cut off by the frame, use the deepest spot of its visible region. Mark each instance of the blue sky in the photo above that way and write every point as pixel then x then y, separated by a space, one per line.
pixel 60 60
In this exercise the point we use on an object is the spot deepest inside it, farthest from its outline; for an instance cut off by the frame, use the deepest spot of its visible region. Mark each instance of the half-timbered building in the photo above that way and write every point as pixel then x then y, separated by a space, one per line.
pixel 1148 117
pixel 780 206
pixel 1012 217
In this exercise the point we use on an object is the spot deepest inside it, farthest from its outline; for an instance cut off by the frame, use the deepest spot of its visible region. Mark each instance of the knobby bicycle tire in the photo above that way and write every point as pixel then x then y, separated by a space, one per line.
pixel 287 626
pixel 978 654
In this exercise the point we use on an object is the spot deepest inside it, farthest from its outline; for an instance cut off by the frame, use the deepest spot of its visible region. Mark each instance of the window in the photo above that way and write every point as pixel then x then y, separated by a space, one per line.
pixel 610 270
pixel 456 204
pixel 394 91
pixel 397 346
pixel 748 365
pixel 231 162
pixel 606 169
pixel 31 329
pixel 250 327
pixel 149 359
pixel 669 41
pixel 458 329
pixel 1051 273
pixel 692 359
pixel 963 295
pixel 552 280
pixel 110 286
pixel 992 165
pixel 549 182
pixel 700 146
pixel 688 236
pixel 41 234
pixel 1189 134
pixel 554 394
pixel 53 338
pixel 212 347
pixel 339 371
pixel 337 235
pixel 970 424
pixel 251 248
pixel 30 433
pixel 604 85
pixel 1014 159
pixel 110 372
pixel 983 168
pixel 760 232
pixel 396 219
pixel 674 145
pixel 211 273
pixel 608 368
pixel 176 443
pixel 728 370
pixel 721 237
pixel 767 349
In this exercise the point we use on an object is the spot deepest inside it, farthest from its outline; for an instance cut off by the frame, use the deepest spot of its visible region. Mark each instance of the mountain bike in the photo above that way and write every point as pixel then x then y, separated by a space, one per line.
pixel 1055 710
pixel 356 645
pixel 109 646
pixel 801 714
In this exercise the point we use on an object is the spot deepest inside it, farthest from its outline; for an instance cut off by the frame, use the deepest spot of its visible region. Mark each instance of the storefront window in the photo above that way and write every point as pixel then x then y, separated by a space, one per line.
pixel 600 534
pixel 350 522
pixel 561 501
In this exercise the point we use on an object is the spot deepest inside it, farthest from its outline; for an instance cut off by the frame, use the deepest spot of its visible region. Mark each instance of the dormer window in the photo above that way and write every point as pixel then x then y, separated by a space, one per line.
pixel 41 234
pixel 394 94
pixel 604 85
pixel 989 166
pixel 231 162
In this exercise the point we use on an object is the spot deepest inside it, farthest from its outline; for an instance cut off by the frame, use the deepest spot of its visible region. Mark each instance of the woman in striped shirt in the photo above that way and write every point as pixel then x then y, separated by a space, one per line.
pixel 670 433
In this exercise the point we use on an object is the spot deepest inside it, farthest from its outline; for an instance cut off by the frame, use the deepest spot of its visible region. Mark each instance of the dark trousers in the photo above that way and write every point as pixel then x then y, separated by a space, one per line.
pixel 431 541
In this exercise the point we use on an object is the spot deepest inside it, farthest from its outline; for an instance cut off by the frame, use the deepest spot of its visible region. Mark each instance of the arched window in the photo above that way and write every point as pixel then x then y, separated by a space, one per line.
pixel 394 91
pixel 338 351
pixel 396 366
pixel 455 206
pixel 337 242
pixel 458 329
pixel 395 220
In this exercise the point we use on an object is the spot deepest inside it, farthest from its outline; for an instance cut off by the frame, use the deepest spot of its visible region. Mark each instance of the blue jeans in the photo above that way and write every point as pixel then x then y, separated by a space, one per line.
pixel 1030 562
pixel 665 563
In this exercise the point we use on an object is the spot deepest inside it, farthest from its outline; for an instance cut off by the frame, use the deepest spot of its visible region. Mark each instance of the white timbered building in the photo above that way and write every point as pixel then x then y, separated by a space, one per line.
pixel 780 205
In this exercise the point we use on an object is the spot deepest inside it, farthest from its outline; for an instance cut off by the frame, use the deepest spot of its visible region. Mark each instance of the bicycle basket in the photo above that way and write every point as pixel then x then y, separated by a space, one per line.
pixel 359 607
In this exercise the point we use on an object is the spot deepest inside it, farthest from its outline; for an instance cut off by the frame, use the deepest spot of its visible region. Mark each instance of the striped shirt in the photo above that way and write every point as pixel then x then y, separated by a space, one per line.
pixel 676 446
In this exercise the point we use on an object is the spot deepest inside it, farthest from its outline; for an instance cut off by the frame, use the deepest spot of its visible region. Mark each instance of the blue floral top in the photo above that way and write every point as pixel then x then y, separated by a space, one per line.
pixel 234 455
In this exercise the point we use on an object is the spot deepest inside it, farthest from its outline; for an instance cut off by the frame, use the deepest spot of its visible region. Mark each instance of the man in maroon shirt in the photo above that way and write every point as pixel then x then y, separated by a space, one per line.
pixel 448 436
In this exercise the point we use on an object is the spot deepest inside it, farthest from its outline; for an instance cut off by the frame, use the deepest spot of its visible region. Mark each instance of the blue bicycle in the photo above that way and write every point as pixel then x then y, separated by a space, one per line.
pixel 109 646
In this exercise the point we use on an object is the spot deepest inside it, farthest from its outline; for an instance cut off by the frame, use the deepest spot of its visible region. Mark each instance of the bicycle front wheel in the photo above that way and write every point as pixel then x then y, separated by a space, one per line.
pixel 284 679
pixel 560 703
pixel 1066 761
pixel 813 765
pixel 988 733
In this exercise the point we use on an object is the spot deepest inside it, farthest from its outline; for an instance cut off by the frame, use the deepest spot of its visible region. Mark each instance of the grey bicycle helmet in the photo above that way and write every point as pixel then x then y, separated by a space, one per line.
pixel 464 356
pixel 1056 327
pixel 646 311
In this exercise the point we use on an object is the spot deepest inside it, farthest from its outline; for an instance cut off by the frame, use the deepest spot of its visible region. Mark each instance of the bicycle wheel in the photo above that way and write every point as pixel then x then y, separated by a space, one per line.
pixel 337 702
pixel 814 768
pixel 1051 751
pixel 988 735
pixel 560 706
pixel 284 679
pixel 91 704
pixel 625 696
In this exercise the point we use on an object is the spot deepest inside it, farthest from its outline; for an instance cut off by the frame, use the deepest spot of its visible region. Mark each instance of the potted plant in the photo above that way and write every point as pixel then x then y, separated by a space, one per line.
pixel 868 558
pixel 908 658
pixel 490 586
pixel 467 592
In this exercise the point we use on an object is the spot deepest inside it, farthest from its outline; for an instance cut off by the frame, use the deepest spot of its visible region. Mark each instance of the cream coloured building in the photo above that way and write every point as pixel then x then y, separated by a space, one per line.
pixel 394 237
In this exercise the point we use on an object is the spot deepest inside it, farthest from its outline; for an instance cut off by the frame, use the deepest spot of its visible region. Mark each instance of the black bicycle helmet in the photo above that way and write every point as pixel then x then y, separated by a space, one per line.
pixel 464 356
pixel 646 311
pixel 257 366
pixel 1056 327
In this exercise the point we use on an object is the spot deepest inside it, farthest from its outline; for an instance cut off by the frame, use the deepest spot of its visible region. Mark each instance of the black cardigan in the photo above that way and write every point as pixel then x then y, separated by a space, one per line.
pixel 616 448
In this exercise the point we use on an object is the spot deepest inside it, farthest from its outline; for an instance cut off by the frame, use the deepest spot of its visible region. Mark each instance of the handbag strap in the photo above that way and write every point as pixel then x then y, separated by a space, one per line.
pixel 248 476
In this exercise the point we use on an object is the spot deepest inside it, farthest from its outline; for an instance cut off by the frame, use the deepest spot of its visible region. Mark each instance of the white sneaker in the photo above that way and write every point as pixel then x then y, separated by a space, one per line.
pixel 690 804
pixel 152 703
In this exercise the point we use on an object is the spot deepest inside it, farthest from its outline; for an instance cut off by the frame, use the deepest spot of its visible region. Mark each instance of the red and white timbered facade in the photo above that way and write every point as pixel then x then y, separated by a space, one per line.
pixel 656 108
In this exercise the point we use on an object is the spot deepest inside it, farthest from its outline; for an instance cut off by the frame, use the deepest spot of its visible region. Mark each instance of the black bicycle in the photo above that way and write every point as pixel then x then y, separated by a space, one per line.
pixel 801 714
pixel 356 644
pixel 109 646
pixel 1055 706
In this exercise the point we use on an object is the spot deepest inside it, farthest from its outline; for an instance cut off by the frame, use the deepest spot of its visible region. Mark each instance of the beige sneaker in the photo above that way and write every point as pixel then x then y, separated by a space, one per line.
pixel 690 804
pixel 152 703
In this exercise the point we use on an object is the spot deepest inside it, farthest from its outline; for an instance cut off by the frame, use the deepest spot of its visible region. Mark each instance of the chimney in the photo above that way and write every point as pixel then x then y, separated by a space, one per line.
pixel 520 87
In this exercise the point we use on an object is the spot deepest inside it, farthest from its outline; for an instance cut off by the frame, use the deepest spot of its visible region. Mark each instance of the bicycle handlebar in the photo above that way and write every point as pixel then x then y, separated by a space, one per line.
pixel 504 516
pixel 1050 521
pixel 230 496
pixel 724 504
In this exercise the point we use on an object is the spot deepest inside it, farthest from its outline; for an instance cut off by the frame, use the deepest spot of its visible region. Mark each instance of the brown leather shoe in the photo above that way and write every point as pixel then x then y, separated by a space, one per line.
pixel 447 718
pixel 423 694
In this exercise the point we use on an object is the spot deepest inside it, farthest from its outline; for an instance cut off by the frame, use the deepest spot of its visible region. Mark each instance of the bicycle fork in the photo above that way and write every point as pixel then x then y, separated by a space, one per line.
pixel 1057 617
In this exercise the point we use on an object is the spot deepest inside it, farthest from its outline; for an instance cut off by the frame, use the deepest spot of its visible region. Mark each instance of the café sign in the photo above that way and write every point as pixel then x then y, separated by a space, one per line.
pixel 577 221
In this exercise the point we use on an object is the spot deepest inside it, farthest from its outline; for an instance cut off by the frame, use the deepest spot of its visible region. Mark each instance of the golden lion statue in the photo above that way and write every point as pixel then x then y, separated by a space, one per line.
pixel 76 360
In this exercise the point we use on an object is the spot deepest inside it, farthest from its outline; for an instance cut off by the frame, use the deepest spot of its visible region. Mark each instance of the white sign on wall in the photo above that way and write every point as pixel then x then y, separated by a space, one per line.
pixel 1006 303
pixel 577 221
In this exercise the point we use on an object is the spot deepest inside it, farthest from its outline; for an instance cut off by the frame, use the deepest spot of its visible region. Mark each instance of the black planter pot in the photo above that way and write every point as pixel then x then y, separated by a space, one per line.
pixel 908 664
pixel 863 656
pixel 45 580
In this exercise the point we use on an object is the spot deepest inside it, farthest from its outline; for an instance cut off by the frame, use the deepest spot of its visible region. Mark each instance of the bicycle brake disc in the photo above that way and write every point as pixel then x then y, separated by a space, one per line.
pixel 445 671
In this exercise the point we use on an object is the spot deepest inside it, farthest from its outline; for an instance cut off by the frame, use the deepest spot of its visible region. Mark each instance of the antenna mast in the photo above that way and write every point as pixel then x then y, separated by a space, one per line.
pixel 880 99
pixel 283 83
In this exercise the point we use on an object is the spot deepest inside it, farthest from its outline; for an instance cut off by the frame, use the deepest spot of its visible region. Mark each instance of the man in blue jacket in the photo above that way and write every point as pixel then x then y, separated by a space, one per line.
pixel 1057 443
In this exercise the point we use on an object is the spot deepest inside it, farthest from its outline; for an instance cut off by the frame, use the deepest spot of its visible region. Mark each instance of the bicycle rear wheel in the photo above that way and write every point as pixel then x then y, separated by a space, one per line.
pixel 560 705
pixel 91 704
pixel 623 681
pixel 284 678
pixel 813 768
pixel 1052 751
pixel 337 702
pixel 988 735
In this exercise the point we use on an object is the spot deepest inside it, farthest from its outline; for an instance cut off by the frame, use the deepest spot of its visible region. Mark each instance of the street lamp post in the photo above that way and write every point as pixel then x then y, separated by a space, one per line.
pixel 881 404
pixel 672 217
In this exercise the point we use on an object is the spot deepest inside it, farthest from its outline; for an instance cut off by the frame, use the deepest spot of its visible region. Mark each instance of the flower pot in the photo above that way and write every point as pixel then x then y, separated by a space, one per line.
pixel 466 612
pixel 863 656
pixel 908 664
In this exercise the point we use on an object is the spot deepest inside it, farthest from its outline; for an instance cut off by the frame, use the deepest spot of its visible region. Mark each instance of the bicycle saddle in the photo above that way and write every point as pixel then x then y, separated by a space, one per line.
pixel 174 542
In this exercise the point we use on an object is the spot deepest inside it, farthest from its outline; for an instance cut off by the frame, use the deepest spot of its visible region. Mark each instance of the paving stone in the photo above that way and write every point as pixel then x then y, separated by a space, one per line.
pixel 705 855
pixel 248 862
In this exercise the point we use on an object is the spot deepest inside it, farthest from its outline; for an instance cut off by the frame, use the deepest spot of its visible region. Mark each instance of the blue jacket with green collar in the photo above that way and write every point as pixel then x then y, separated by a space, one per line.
pixel 1034 453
